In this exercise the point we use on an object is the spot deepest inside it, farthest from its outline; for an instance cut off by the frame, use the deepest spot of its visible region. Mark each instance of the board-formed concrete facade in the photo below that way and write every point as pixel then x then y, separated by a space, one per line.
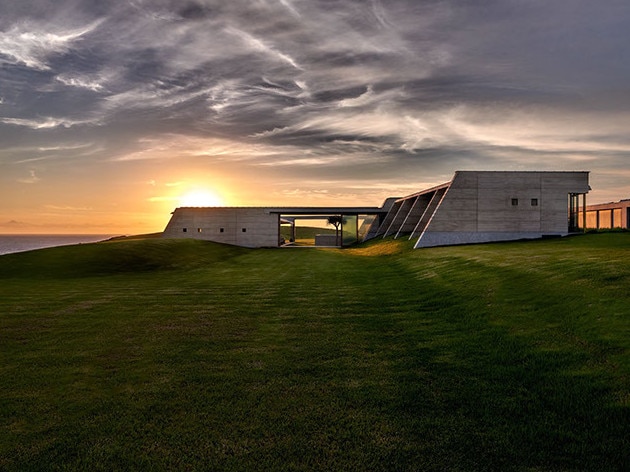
pixel 250 226
pixel 474 207
pixel 239 226
pixel 501 206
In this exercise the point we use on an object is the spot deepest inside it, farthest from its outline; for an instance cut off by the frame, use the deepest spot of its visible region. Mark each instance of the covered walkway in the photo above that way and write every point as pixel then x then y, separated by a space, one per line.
pixel 354 224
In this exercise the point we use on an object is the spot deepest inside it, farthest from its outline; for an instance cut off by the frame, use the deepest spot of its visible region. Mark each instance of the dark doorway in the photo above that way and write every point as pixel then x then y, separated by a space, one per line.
pixel 574 212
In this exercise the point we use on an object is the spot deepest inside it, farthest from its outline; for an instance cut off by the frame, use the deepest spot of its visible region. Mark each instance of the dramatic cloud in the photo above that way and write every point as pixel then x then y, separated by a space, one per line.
pixel 30 44
pixel 312 98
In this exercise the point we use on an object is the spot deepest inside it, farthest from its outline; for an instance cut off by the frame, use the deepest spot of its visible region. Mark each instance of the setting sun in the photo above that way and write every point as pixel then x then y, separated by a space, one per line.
pixel 200 198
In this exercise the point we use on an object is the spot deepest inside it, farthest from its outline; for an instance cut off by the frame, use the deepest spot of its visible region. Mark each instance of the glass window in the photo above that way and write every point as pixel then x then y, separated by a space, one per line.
pixel 515 202
pixel 350 226
pixel 534 202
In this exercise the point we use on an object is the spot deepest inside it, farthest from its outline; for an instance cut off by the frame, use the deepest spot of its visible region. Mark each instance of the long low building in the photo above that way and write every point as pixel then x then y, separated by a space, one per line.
pixel 260 226
pixel 474 207
pixel 608 215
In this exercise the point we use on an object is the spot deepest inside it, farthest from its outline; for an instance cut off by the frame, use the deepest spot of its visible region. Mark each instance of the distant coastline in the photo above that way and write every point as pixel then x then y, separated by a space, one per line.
pixel 11 243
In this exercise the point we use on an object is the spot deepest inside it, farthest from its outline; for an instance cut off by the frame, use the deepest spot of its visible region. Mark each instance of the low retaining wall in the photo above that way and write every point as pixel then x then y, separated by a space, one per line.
pixel 325 240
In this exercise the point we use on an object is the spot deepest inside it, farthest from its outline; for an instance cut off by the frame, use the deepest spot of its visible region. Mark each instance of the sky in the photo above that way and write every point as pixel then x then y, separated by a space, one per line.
pixel 114 113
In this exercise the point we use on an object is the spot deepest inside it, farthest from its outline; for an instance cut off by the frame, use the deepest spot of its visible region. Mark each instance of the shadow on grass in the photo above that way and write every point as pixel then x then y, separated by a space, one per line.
pixel 510 408
pixel 472 395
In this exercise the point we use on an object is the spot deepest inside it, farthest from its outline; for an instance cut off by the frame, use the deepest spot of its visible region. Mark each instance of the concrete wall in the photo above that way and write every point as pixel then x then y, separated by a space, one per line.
pixel 501 206
pixel 329 240
pixel 244 226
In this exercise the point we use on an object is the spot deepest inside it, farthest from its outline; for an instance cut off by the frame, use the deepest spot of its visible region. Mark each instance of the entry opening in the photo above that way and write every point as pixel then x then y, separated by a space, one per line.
pixel 324 230
pixel 577 213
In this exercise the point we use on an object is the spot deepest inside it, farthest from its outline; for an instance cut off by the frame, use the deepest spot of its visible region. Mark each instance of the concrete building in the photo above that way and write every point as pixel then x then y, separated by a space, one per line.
pixel 608 215
pixel 261 226
pixel 478 207
pixel 474 207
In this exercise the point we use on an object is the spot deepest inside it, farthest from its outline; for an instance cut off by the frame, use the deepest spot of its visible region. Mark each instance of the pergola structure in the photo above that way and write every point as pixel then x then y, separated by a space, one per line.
pixel 351 231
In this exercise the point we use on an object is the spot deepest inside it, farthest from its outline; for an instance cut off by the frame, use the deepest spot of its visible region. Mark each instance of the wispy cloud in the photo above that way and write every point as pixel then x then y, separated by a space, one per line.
pixel 45 123
pixel 32 179
pixel 259 45
pixel 64 147
pixel 32 44
pixel 162 199
pixel 95 84
pixel 68 208
pixel 171 146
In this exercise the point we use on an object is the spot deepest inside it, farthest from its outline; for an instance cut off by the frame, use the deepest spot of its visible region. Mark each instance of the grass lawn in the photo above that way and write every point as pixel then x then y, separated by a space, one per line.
pixel 186 355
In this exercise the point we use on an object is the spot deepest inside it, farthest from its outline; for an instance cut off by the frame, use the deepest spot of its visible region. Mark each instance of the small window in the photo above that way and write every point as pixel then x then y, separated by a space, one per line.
pixel 244 230
pixel 534 202
pixel 199 230
pixel 221 230
pixel 515 202
pixel 184 230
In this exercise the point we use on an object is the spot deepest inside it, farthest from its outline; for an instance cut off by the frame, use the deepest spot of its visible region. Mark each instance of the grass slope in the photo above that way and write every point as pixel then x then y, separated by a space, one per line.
pixel 186 355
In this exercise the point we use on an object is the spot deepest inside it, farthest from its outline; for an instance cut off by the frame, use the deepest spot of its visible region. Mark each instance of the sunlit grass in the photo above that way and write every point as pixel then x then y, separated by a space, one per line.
pixel 186 355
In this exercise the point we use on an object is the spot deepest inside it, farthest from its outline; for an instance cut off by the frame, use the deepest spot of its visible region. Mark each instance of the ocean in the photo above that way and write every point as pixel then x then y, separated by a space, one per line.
pixel 10 243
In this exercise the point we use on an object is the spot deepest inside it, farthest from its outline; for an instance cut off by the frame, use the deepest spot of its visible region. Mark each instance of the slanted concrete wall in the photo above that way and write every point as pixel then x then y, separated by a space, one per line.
pixel 501 206
pixel 458 208
pixel 243 226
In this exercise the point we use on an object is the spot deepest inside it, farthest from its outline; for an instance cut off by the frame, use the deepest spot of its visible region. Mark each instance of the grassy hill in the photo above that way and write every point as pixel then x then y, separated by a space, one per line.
pixel 187 355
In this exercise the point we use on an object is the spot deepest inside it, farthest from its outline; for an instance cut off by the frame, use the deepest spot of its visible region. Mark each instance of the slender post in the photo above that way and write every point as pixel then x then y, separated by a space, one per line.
pixel 584 212
pixel 340 236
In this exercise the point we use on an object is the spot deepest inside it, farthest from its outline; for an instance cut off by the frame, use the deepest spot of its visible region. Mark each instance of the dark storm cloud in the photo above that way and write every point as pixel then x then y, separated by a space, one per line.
pixel 400 84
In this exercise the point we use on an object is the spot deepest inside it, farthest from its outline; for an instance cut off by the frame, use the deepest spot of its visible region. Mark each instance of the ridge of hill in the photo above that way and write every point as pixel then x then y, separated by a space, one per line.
pixel 115 256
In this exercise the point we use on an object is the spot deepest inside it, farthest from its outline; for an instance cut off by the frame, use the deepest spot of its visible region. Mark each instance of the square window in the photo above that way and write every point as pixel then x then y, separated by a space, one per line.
pixel 515 202
pixel 221 230
pixel 199 230
pixel 244 230
pixel 184 230
pixel 534 202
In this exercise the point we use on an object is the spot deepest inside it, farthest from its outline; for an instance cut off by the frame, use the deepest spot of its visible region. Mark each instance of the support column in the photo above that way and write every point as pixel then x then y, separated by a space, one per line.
pixel 584 212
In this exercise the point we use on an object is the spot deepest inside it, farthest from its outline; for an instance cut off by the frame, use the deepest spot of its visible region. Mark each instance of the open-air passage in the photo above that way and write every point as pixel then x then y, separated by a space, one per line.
pixel 188 355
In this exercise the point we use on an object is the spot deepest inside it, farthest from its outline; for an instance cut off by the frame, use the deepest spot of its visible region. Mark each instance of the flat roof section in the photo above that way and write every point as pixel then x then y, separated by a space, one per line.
pixel 424 192
pixel 326 210
pixel 301 210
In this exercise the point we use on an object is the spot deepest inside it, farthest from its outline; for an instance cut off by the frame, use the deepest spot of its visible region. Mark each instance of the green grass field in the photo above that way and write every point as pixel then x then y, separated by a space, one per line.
pixel 186 355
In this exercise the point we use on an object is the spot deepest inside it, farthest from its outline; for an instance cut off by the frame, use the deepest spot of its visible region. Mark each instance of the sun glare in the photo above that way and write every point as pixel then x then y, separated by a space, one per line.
pixel 200 198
